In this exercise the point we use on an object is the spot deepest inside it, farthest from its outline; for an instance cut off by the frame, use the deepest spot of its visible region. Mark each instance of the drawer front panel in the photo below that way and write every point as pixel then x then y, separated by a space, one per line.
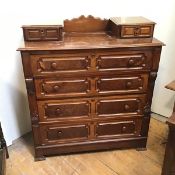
pixel 54 133
pixel 122 84
pixel 53 64
pixel 137 31
pixel 124 61
pixel 62 87
pixel 61 110
pixel 33 34
pixel 120 106
pixel 118 128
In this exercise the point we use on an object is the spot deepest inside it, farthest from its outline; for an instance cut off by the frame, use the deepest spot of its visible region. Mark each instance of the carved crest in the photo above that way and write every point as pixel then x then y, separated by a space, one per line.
pixel 85 24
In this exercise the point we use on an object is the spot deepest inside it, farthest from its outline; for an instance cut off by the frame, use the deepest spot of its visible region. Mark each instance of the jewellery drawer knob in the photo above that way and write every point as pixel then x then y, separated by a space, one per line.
pixel 128 84
pixel 56 88
pixel 131 62
pixel 54 65
pixel 42 32
pixel 127 107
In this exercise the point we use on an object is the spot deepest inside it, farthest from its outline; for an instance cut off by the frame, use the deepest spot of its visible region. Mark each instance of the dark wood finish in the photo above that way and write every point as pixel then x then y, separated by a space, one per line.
pixel 169 159
pixel 62 134
pixel 3 153
pixel 122 129
pixel 131 27
pixel 91 91
pixel 42 33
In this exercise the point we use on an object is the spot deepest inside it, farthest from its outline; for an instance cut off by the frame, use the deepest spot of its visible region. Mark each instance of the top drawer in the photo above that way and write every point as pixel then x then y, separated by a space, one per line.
pixel 59 63
pixel 83 63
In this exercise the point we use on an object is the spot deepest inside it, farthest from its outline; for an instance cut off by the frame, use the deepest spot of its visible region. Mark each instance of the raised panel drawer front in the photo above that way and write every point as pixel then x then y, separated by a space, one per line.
pixel 122 84
pixel 62 87
pixel 118 128
pixel 129 60
pixel 66 133
pixel 53 64
pixel 56 110
pixel 120 106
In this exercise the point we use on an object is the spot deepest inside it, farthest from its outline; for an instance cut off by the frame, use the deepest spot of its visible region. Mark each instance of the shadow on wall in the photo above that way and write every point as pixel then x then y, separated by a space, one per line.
pixel 20 108
pixel 15 116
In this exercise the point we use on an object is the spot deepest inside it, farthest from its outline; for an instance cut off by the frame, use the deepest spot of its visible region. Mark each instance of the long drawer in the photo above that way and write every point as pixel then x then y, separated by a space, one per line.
pixel 75 132
pixel 91 108
pixel 91 86
pixel 87 62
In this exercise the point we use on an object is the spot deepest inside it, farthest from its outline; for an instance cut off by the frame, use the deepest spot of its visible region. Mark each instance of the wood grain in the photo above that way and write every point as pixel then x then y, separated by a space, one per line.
pixel 120 162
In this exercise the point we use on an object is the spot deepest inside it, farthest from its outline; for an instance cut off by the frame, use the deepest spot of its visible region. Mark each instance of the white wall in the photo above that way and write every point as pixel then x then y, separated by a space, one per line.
pixel 14 113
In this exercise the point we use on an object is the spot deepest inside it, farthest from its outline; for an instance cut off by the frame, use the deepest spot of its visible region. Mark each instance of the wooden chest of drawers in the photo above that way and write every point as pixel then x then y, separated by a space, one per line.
pixel 90 91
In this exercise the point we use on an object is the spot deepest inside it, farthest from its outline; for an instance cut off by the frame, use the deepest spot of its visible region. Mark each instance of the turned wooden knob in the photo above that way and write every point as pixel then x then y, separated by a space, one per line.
pixel 128 84
pixel 59 132
pixel 124 128
pixel 42 32
pixel 56 88
pixel 58 111
pixel 54 65
pixel 127 107
pixel 131 62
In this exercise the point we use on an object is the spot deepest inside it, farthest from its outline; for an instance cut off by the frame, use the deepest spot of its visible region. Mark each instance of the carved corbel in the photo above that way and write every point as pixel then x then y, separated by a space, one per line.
pixel 34 118
pixel 153 76
pixel 147 110
pixel 30 86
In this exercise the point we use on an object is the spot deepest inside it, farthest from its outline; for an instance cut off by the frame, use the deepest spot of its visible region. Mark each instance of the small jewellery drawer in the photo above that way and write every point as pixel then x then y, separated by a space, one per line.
pixel 122 84
pixel 62 87
pixel 56 134
pixel 131 60
pixel 53 64
pixel 120 106
pixel 137 31
pixel 118 128
pixel 55 110
pixel 42 33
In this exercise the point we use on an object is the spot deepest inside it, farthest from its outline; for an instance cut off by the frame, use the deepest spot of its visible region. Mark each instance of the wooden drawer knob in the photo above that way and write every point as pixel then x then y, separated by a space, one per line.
pixel 127 107
pixel 128 84
pixel 42 32
pixel 58 111
pixel 131 62
pixel 59 133
pixel 56 88
pixel 136 31
pixel 54 65
pixel 124 128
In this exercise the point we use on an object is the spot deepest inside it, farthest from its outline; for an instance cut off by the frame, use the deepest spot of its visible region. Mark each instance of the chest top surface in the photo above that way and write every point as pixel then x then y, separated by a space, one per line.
pixel 85 33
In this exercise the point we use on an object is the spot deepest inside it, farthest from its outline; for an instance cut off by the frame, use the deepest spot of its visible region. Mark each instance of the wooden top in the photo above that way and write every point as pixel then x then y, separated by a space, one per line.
pixel 85 24
pixel 34 26
pixel 91 33
pixel 131 20
pixel 171 86
pixel 73 41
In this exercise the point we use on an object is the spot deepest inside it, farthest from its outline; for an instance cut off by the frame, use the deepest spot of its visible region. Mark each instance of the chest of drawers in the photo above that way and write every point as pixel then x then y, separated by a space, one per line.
pixel 90 91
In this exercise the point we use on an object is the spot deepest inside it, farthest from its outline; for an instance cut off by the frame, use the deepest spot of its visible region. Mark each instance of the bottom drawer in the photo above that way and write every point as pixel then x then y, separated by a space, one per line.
pixel 118 128
pixel 56 134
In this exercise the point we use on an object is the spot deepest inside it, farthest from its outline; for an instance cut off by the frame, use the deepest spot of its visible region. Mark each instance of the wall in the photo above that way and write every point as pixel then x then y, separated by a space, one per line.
pixel 14 113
